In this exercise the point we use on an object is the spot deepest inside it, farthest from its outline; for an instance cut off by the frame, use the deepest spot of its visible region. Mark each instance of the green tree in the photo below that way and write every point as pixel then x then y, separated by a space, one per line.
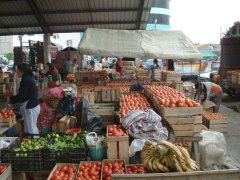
pixel 9 56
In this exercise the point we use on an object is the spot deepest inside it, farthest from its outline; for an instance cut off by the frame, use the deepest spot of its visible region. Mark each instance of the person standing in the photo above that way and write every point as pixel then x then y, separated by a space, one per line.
pixel 211 91
pixel 27 97
pixel 32 56
pixel 119 66
pixel 53 71
pixel 66 69
pixel 153 67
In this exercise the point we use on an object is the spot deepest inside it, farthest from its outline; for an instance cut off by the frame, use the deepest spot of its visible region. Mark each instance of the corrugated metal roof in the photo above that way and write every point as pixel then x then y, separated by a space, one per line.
pixel 50 16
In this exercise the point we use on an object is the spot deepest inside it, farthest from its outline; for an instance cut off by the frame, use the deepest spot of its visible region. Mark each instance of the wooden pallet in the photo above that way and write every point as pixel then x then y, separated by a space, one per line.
pixel 118 147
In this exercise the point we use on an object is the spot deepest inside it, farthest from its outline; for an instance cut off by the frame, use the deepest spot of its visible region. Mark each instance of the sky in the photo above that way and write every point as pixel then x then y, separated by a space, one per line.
pixel 202 20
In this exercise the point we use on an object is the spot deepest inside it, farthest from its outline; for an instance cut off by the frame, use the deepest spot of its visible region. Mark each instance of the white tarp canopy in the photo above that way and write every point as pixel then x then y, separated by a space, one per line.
pixel 139 43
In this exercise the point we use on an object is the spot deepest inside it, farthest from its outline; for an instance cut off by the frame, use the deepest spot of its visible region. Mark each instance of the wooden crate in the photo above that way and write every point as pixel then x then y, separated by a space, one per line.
pixel 107 114
pixel 61 164
pixel 216 125
pixel 177 111
pixel 234 78
pixel 105 161
pixel 97 95
pixel 7 174
pixel 185 126
pixel 82 162
pixel 110 95
pixel 178 85
pixel 64 123
pixel 157 74
pixel 9 122
pixel 197 175
pixel 118 147
pixel 89 96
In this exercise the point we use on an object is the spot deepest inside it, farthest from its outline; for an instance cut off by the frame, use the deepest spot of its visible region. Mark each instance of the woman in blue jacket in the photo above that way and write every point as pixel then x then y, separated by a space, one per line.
pixel 27 97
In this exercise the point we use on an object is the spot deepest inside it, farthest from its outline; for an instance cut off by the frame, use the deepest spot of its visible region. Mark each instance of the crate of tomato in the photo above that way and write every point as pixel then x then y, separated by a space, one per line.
pixel 5 171
pixel 8 117
pixel 111 166
pixel 63 171
pixel 117 143
pixel 135 169
pixel 89 170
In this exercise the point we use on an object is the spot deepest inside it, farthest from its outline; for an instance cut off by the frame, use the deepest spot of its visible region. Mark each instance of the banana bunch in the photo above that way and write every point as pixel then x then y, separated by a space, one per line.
pixel 166 157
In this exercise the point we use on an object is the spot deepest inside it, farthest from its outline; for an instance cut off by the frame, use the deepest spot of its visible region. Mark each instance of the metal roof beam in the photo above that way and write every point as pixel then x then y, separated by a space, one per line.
pixel 38 16
pixel 70 23
pixel 140 11
pixel 26 13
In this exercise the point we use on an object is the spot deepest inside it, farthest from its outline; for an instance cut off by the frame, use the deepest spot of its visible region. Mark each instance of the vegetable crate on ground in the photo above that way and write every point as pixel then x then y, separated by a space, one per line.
pixel 9 122
pixel 23 161
pixel 106 94
pixel 53 175
pixel 106 111
pixel 185 125
pixel 215 122
pixel 7 173
pixel 51 157
pixel 107 162
pixel 117 147
pixel 90 169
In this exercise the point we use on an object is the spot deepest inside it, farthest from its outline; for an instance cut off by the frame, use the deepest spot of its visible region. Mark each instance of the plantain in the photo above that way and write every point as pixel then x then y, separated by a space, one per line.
pixel 172 148
pixel 177 164
pixel 150 163
pixel 161 167
pixel 155 167
pixel 190 163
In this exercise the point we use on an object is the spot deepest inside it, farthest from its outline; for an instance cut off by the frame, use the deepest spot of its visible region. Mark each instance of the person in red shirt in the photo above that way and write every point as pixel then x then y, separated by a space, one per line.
pixel 119 66
pixel 53 71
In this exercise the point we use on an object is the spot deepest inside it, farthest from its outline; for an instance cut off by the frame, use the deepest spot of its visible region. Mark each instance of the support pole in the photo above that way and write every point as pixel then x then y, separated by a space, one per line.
pixel 46 48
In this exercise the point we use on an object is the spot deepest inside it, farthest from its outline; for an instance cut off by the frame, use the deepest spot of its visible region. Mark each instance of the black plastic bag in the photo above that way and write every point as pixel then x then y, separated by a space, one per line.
pixel 86 119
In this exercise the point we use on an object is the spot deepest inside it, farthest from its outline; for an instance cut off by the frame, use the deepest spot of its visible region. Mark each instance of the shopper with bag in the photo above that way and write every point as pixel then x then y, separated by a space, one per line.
pixel 27 97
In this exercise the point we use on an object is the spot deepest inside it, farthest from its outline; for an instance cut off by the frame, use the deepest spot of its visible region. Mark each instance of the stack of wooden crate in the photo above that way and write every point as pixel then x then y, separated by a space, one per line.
pixel 129 67
pixel 215 122
pixel 157 75
pixel 170 76
pixel 141 74
pixel 106 94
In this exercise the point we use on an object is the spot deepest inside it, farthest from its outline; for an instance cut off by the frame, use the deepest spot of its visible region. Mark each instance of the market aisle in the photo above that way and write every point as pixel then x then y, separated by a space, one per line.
pixel 233 135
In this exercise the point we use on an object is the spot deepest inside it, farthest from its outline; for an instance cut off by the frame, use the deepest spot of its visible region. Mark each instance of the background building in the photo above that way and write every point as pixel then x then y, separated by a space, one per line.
pixel 159 16
pixel 6 44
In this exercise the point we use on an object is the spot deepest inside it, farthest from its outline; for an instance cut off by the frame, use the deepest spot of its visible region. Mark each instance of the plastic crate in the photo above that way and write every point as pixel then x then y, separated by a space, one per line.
pixel 51 157
pixel 23 161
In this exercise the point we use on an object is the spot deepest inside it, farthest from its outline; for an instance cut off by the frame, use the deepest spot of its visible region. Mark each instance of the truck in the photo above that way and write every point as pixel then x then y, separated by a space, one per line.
pixel 230 61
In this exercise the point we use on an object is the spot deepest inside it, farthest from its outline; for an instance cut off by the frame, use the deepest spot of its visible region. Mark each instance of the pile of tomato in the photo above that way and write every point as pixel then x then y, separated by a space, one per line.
pixel 115 130
pixel 3 168
pixel 214 117
pixel 89 170
pixel 135 169
pixel 170 97
pixel 116 167
pixel 6 113
pixel 133 102
pixel 64 172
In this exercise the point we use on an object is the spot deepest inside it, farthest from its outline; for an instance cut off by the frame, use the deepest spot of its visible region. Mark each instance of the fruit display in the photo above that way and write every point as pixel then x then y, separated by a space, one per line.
pixel 133 102
pixel 214 117
pixel 67 142
pixel 7 113
pixel 122 88
pixel 89 170
pixel 115 130
pixel 135 169
pixel 3 168
pixel 166 157
pixel 115 167
pixel 169 97
pixel 63 172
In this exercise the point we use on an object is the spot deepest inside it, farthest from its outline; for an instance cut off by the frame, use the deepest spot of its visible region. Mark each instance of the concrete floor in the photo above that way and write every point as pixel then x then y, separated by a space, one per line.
pixel 233 135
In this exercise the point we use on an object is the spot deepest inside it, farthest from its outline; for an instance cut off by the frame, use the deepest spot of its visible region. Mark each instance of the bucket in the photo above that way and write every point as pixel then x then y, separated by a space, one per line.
pixel 97 154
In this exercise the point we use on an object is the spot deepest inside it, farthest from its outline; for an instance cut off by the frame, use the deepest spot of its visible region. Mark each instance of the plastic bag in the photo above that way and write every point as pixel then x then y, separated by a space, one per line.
pixel 212 150
pixel 86 119
pixel 92 139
